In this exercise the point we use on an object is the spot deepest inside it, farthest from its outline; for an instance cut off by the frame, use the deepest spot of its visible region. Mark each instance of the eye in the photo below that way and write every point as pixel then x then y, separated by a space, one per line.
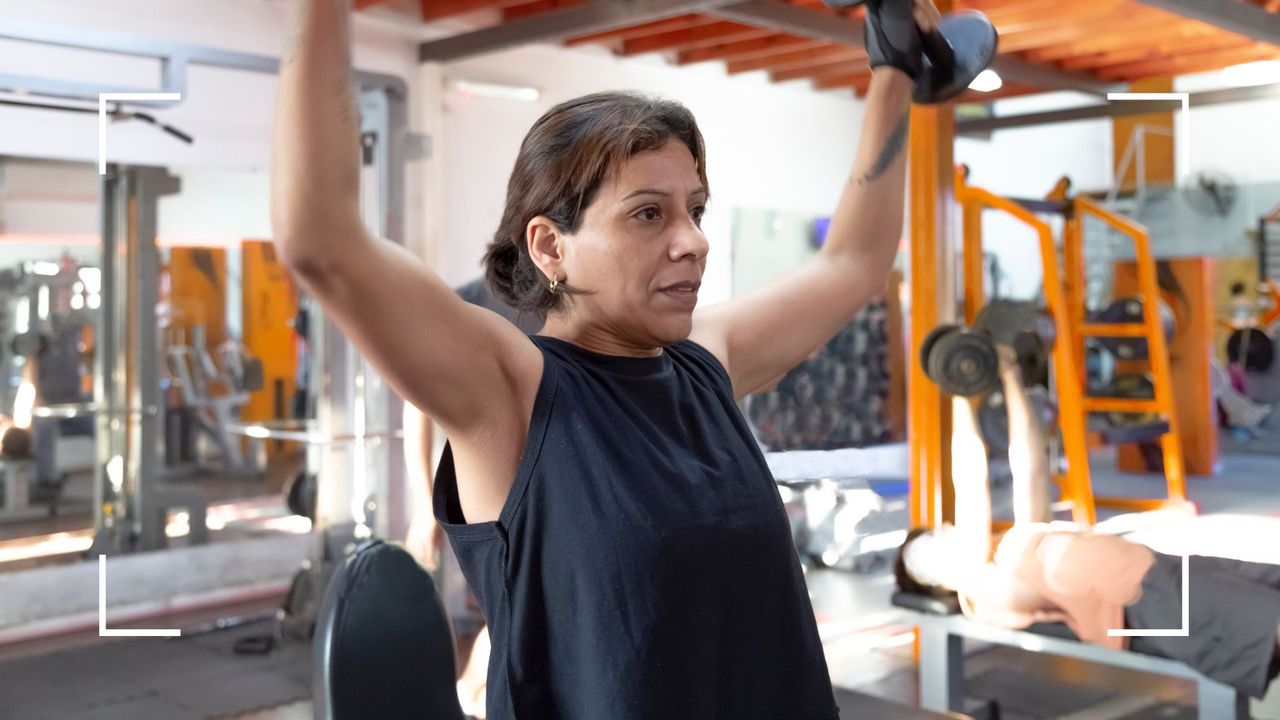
pixel 650 214
pixel 697 214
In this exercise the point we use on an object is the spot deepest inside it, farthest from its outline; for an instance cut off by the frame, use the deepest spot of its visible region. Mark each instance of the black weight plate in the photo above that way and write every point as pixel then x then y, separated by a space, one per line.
pixel 973 40
pixel 929 340
pixel 964 363
pixel 1253 348
pixel 1005 320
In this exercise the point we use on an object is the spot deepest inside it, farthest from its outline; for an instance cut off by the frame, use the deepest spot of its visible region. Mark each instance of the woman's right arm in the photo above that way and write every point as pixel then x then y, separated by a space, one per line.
pixel 462 364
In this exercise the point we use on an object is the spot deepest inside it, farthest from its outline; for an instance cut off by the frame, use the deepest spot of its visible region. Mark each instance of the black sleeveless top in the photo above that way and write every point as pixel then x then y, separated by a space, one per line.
pixel 642 566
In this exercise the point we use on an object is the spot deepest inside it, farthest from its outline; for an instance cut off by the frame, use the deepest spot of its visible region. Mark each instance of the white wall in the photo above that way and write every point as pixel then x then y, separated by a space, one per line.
pixel 1027 162
pixel 769 147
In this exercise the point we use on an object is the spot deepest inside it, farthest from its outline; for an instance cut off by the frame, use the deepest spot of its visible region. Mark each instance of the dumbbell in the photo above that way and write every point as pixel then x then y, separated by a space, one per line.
pixel 962 47
pixel 1026 328
pixel 960 360
pixel 1129 310
pixel 993 418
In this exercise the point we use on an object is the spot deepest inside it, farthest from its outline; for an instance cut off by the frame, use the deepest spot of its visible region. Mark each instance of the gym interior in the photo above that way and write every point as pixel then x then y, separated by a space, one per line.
pixel 198 464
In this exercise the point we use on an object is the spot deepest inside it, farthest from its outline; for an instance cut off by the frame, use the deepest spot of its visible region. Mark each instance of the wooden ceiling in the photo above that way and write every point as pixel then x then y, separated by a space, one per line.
pixel 1108 41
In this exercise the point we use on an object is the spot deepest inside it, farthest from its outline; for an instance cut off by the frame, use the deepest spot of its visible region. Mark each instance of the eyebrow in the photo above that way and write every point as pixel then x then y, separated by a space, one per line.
pixel 660 193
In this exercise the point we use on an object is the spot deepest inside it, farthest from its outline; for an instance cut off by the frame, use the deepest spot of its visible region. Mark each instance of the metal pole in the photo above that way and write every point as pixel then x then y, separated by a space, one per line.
pixel 106 479
pixel 127 391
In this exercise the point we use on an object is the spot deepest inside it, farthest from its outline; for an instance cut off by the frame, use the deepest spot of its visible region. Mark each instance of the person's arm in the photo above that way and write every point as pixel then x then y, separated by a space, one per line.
pixel 765 333
pixel 460 363
pixel 971 482
pixel 1028 454
pixel 425 536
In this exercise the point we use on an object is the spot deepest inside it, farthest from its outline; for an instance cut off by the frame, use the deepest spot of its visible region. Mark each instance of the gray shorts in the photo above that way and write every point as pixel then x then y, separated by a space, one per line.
pixel 1234 615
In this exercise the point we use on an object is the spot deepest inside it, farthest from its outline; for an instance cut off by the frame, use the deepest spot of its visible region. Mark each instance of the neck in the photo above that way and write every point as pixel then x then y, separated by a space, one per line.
pixel 596 338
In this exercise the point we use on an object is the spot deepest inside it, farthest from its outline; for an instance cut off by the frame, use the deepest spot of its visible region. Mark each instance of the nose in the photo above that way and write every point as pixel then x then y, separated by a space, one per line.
pixel 689 240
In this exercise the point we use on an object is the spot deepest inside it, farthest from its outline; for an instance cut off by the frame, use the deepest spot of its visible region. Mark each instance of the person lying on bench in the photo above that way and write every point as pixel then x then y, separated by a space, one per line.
pixel 1090 581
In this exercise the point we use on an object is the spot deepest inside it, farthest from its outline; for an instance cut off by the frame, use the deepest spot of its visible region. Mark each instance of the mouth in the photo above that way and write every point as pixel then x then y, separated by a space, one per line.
pixel 684 288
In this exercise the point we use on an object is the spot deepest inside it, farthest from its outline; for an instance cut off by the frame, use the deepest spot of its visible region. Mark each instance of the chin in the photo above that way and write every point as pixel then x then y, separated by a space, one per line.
pixel 670 333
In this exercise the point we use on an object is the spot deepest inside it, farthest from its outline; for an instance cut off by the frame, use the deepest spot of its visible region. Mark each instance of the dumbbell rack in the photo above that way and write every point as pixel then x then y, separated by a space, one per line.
pixel 1064 294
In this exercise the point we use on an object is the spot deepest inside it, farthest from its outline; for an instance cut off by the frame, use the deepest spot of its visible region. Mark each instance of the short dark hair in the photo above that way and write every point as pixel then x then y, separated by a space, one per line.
pixel 563 160
pixel 905 581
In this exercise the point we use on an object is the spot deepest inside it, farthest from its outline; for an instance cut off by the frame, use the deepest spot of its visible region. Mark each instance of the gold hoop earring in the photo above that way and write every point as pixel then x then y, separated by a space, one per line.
pixel 552 285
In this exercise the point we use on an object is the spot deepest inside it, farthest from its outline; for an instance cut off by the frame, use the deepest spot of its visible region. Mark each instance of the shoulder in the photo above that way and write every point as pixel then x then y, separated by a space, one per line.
pixel 697 355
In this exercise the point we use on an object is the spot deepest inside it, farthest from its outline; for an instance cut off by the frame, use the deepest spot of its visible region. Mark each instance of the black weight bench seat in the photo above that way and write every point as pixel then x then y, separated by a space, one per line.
pixel 943 630
pixel 383 644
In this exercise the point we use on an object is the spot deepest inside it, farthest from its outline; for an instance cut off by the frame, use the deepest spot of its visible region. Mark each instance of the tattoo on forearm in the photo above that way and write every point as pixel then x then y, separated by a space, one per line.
pixel 346 99
pixel 889 153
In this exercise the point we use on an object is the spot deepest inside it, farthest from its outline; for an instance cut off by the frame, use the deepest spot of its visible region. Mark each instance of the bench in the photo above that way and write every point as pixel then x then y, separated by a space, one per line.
pixel 943 630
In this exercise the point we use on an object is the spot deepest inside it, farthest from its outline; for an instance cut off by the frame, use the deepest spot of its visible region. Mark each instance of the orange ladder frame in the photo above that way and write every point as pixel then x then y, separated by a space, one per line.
pixel 1066 305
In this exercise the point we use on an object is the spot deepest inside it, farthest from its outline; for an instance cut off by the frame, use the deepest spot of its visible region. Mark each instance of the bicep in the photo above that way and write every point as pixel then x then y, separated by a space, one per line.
pixel 763 334
pixel 456 361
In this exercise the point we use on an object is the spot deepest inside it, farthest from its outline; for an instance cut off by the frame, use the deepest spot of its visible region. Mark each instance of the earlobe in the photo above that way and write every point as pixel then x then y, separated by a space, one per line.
pixel 544 238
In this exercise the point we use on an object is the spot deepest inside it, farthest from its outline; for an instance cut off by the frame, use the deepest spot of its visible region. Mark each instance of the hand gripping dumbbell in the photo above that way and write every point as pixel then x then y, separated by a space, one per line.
pixel 942 63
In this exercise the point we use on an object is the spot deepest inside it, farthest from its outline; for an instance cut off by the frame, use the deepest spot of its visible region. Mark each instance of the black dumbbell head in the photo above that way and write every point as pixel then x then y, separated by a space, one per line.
pixel 970 40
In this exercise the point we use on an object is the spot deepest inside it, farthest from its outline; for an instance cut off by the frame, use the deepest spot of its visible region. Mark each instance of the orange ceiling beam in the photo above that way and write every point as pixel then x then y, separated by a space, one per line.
pixel 821 70
pixel 1120 36
pixel 1155 51
pixel 797 59
pixel 525 9
pixel 705 36
pixel 1078 28
pixel 683 22
pixel 1191 62
pixel 858 81
pixel 748 49
pixel 432 10
pixel 1047 13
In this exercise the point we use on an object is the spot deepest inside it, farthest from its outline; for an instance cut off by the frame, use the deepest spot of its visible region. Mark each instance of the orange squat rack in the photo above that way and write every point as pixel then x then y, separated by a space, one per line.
pixel 1065 297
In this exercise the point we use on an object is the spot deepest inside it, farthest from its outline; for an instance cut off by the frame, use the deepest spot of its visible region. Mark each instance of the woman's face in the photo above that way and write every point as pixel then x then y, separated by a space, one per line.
pixel 640 250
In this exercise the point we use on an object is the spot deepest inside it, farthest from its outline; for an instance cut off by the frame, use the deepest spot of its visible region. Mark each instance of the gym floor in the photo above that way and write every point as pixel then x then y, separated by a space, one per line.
pixel 867 643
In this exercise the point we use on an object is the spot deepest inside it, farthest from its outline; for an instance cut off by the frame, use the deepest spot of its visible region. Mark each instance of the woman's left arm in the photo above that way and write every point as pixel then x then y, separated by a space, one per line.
pixel 762 335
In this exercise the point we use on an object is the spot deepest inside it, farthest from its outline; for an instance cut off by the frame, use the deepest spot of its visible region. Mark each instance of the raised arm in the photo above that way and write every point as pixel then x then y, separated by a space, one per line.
pixel 971 481
pixel 762 335
pixel 1028 454
pixel 460 363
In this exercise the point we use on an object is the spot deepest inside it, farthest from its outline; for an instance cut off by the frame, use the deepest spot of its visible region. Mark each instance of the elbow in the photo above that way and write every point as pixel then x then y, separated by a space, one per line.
pixel 293 252
pixel 311 251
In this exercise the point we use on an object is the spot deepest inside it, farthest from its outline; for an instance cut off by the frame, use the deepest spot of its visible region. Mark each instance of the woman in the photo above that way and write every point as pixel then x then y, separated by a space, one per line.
pixel 1091 581
pixel 600 488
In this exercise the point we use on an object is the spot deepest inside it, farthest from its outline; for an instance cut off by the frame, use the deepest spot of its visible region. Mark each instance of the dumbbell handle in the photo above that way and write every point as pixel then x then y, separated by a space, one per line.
pixel 940 53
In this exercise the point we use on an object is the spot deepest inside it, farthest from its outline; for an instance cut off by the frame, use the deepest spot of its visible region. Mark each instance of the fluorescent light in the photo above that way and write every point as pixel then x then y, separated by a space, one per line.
pixel 1263 72
pixel 44 267
pixel 987 81
pixel 497 91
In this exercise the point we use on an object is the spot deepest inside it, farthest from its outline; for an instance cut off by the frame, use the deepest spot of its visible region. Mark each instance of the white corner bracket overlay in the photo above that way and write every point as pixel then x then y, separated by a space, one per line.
pixel 103 99
pixel 102 611
pixel 1184 130
pixel 1184 631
